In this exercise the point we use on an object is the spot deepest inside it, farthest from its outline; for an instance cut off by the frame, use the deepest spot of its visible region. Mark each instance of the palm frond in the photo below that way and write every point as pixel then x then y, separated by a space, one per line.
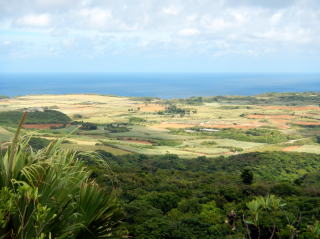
pixel 54 194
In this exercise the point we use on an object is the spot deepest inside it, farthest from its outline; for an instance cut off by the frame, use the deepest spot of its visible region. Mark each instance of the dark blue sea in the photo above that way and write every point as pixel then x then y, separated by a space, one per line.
pixel 164 85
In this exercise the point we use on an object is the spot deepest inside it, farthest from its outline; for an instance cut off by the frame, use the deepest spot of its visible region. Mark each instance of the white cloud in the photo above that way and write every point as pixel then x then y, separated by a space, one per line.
pixel 55 3
pixel 32 20
pixel 95 17
pixel 152 26
pixel 276 18
pixel 299 36
pixel 171 10
pixel 240 17
pixel 189 32
pixel 215 24
pixel 6 43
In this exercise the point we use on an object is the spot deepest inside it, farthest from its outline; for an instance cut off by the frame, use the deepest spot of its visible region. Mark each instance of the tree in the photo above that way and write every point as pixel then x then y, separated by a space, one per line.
pixel 88 126
pixel 266 216
pixel 247 176
pixel 164 201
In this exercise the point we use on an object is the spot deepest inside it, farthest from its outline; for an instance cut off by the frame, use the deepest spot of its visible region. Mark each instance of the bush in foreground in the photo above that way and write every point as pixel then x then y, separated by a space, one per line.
pixel 49 194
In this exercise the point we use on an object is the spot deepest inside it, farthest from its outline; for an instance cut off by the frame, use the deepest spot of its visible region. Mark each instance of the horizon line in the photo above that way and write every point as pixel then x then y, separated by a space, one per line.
pixel 156 72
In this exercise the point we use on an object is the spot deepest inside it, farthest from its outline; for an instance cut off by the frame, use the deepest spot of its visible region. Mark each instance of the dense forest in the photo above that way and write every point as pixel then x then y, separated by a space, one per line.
pixel 252 195
pixel 255 195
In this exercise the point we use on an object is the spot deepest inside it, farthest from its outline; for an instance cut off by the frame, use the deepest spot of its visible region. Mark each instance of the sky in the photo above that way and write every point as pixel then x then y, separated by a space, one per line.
pixel 159 35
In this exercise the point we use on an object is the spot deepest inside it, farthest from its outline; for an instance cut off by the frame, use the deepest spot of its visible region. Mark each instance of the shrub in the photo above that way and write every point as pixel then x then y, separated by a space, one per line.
pixel 77 116
pixel 88 126
pixel 232 148
pixel 117 127
pixel 38 143
pixel 208 143
pixel 49 194
pixel 136 120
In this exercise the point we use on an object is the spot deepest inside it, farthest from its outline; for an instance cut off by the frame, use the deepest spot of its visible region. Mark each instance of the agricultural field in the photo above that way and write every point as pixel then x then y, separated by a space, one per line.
pixel 193 127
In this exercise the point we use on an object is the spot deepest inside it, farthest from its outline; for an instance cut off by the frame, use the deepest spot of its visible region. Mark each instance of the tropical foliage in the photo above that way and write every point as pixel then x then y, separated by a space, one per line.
pixel 49 193
pixel 257 195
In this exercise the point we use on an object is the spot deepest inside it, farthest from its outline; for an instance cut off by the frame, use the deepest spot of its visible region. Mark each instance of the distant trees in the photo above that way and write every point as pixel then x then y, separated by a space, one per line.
pixel 174 110
pixel 117 127
pixel 192 100
pixel 88 126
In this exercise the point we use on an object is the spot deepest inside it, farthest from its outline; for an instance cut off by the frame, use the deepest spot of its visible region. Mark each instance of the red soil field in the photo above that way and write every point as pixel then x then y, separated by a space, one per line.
pixel 307 123
pixel 290 148
pixel 151 107
pixel 280 123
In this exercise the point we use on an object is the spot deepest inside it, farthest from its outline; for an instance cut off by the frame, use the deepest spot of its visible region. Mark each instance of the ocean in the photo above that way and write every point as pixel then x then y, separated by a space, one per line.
pixel 163 85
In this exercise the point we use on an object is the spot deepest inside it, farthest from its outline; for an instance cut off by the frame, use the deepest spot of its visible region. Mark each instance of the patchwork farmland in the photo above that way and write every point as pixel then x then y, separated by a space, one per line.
pixel 186 127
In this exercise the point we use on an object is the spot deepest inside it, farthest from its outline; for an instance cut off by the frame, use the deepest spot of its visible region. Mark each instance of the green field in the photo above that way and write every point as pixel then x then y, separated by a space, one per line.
pixel 180 126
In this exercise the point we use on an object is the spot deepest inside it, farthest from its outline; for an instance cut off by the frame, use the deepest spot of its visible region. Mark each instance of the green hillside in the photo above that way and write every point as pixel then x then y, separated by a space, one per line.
pixel 45 117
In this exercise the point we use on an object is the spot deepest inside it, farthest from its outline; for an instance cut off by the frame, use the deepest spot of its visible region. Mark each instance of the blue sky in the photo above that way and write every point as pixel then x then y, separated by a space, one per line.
pixel 159 36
